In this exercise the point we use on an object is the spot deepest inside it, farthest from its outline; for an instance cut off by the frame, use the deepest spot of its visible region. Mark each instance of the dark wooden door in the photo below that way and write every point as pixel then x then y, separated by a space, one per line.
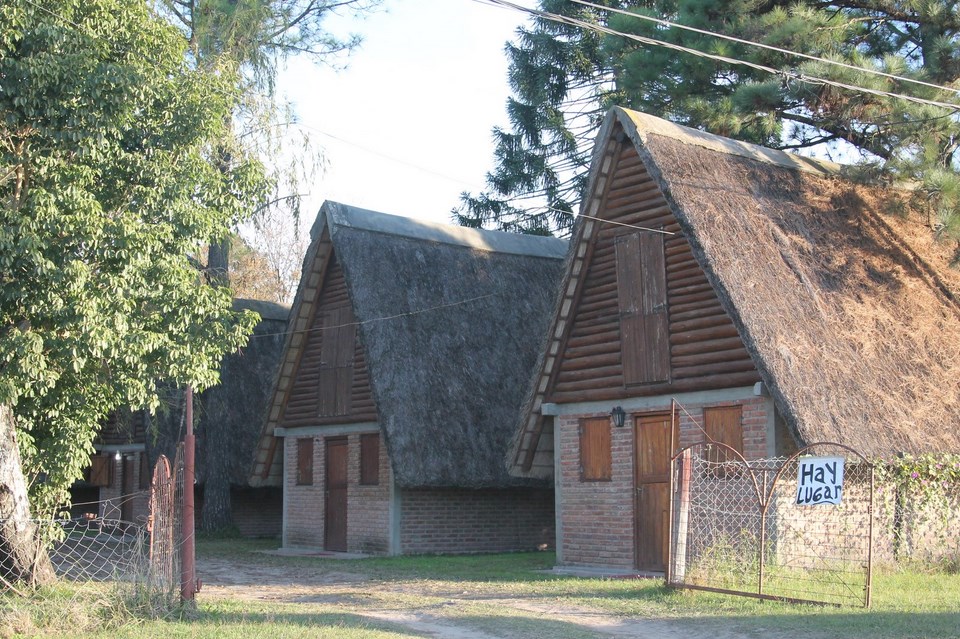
pixel 652 450
pixel 335 496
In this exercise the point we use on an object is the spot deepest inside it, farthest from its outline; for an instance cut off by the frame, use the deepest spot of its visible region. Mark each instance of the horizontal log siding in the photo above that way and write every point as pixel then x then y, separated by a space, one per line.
pixel 302 407
pixel 705 349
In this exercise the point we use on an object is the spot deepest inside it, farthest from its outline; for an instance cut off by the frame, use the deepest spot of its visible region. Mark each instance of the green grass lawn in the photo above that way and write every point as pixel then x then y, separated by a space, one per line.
pixel 505 596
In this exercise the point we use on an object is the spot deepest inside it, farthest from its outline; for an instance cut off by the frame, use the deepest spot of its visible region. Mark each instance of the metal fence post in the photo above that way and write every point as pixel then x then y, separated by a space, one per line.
pixel 187 566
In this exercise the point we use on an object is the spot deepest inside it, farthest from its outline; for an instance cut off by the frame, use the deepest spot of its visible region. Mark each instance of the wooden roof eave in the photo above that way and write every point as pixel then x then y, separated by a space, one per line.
pixel 525 445
pixel 301 317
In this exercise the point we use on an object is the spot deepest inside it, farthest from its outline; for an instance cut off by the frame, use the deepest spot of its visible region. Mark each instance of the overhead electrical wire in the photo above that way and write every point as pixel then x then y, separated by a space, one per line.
pixel 723 36
pixel 787 75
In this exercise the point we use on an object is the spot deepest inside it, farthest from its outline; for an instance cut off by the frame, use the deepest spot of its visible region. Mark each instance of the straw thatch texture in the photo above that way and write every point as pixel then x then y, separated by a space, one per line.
pixel 845 302
pixel 451 320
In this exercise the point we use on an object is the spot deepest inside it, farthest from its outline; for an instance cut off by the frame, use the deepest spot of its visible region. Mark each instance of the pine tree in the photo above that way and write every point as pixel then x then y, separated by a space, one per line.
pixel 785 110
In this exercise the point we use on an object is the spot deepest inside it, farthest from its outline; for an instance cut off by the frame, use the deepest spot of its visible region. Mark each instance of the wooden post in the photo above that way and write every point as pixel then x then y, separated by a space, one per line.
pixel 188 579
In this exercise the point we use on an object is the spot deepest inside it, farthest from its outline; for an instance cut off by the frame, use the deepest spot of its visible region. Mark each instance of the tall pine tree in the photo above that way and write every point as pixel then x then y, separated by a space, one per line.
pixel 564 77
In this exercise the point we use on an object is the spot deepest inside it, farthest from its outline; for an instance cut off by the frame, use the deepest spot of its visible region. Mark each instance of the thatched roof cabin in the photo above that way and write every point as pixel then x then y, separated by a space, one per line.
pixel 449 321
pixel 846 303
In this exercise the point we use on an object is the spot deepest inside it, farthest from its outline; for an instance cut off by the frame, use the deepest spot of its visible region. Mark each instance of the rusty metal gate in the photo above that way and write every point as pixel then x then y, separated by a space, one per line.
pixel 164 527
pixel 796 529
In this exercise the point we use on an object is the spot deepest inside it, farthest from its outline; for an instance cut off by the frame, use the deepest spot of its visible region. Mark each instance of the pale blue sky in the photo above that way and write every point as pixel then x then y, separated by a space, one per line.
pixel 424 90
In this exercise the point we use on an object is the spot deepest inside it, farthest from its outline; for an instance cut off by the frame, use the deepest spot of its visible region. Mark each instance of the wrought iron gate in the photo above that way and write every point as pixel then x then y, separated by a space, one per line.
pixel 750 528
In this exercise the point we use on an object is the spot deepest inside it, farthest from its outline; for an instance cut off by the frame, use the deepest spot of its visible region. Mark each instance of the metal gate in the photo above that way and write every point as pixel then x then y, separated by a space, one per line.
pixel 164 526
pixel 767 528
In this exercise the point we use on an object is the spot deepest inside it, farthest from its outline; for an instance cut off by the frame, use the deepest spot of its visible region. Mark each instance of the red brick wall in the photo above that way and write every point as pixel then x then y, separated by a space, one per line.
pixel 368 507
pixel 257 512
pixel 451 520
pixel 597 517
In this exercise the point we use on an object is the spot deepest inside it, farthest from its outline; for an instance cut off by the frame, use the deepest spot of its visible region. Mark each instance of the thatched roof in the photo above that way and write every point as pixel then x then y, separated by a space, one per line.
pixel 846 303
pixel 230 415
pixel 451 320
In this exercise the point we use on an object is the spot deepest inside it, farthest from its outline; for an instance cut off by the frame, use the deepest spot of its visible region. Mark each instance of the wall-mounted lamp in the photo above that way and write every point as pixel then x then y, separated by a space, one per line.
pixel 619 417
pixel 118 456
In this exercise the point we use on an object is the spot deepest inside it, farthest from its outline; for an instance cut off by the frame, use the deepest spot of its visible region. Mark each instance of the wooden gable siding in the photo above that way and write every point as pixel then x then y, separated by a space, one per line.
pixel 303 406
pixel 705 350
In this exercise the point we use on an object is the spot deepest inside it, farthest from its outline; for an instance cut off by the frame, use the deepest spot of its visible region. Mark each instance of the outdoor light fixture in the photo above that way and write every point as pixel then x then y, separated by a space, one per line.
pixel 118 456
pixel 619 417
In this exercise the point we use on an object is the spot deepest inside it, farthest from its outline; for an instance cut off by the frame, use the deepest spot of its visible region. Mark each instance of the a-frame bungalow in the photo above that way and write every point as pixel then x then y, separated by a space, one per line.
pixel 778 303
pixel 405 366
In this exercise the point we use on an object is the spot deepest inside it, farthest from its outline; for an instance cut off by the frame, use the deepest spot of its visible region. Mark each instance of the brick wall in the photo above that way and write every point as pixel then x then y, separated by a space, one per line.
pixel 597 517
pixel 368 507
pixel 453 520
pixel 257 512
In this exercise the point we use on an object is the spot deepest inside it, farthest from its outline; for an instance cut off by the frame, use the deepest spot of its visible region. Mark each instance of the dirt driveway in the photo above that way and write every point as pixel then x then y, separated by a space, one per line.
pixel 433 609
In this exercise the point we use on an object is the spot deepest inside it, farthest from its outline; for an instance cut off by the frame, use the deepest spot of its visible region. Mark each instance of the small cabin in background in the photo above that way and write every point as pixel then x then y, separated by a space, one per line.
pixel 716 290
pixel 228 419
pixel 405 366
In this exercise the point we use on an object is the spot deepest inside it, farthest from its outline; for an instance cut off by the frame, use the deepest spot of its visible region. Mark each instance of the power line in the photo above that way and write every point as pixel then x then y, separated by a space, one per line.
pixel 788 75
pixel 380 319
pixel 722 36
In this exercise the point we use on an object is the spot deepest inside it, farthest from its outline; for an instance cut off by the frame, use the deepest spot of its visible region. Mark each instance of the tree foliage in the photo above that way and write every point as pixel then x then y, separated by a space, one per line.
pixel 564 77
pixel 108 190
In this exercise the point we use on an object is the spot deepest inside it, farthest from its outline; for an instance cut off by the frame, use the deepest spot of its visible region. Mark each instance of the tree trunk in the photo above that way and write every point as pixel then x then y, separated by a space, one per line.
pixel 23 555
pixel 218 262
pixel 217 514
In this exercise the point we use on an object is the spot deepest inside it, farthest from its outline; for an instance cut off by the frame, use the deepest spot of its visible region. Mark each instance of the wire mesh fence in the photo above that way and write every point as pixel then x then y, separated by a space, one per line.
pixel 109 562
pixel 797 529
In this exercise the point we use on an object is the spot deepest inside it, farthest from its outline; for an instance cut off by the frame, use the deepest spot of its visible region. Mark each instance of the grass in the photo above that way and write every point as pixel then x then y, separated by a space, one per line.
pixel 500 595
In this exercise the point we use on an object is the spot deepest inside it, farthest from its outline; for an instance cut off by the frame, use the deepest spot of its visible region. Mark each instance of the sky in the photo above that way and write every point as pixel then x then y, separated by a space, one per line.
pixel 407 126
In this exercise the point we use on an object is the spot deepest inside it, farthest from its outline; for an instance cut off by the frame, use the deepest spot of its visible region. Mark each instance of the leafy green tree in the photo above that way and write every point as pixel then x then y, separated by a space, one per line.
pixel 256 36
pixel 108 190
pixel 564 76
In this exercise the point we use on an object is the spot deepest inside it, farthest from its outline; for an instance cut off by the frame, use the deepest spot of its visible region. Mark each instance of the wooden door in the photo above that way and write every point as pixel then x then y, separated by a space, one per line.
pixel 652 450
pixel 335 496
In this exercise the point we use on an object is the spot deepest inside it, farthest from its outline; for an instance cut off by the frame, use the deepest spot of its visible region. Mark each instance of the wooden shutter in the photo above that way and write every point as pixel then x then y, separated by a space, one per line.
pixel 305 461
pixel 101 470
pixel 370 459
pixel 642 294
pixel 337 346
pixel 595 453
pixel 724 424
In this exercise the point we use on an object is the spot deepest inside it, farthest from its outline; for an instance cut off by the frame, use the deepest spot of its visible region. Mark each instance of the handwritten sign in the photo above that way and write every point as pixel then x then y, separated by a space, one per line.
pixel 819 480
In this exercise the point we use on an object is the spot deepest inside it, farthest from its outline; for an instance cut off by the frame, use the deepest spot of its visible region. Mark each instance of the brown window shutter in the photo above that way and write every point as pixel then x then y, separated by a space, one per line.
pixel 305 461
pixel 595 454
pixel 337 346
pixel 724 424
pixel 346 345
pixel 642 295
pixel 101 470
pixel 370 459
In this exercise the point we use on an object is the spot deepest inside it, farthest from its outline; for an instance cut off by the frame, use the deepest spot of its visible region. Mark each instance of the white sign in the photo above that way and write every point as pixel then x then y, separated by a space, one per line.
pixel 819 480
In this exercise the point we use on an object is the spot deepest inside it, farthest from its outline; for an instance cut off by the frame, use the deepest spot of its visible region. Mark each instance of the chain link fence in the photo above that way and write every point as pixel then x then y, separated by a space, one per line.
pixel 102 564
pixel 796 529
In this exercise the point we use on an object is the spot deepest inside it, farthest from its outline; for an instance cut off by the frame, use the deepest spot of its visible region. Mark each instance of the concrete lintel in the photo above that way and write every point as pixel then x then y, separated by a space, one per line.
pixel 328 431
pixel 549 408
pixel 662 402
pixel 120 448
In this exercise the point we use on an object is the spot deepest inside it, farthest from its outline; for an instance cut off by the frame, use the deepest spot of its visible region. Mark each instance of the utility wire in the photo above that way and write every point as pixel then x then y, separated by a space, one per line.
pixel 788 75
pixel 722 36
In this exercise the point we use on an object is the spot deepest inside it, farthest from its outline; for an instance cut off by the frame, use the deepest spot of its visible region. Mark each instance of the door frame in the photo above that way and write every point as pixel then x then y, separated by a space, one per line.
pixel 338 441
pixel 636 419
